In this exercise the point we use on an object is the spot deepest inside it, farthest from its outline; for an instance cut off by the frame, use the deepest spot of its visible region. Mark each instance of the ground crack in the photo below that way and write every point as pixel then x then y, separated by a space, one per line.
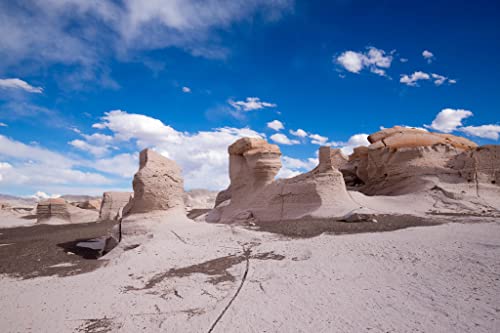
pixel 246 254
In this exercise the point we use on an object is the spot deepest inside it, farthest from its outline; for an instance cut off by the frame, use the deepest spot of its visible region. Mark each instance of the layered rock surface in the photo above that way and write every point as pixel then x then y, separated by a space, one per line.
pixel 158 185
pixel 112 203
pixel 52 209
pixel 403 160
pixel 255 195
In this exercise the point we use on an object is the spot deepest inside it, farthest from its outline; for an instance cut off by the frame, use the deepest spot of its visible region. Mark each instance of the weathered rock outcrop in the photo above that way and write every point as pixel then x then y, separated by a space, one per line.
pixel 49 209
pixel 158 185
pixel 94 204
pixel 481 165
pixel 403 137
pixel 199 199
pixel 256 196
pixel 404 160
pixel 112 203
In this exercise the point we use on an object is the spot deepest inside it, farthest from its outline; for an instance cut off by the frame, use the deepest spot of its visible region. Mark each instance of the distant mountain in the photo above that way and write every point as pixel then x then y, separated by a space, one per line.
pixel 76 197
pixel 16 201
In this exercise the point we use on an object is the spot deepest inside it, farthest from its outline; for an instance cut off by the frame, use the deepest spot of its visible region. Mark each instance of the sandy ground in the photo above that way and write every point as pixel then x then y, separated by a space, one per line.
pixel 197 277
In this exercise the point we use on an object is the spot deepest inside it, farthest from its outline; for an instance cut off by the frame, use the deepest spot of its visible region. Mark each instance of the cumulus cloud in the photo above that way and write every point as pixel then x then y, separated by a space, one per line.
pixel 39 196
pixel 19 84
pixel 411 80
pixel 448 120
pixel 484 131
pixel 34 167
pixel 186 90
pixel 428 55
pixel 376 60
pixel 440 79
pixel 250 104
pixel 85 146
pixel 275 125
pixel 318 139
pixel 124 165
pixel 354 141
pixel 292 167
pixel 201 155
pixel 299 132
pixel 283 139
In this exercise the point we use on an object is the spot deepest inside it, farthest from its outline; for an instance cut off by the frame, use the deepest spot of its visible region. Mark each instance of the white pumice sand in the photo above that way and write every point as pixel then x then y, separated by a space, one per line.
pixel 430 279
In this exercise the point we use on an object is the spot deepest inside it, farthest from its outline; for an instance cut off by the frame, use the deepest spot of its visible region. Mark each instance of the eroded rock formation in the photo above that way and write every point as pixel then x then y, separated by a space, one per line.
pixel 158 185
pixel 112 203
pixel 52 209
pixel 94 204
pixel 406 160
pixel 256 195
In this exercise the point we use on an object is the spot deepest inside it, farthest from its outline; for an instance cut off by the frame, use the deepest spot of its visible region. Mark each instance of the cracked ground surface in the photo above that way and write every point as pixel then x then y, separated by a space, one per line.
pixel 196 277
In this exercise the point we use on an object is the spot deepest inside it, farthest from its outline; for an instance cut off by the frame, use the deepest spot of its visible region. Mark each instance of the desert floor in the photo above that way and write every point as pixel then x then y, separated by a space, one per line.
pixel 198 277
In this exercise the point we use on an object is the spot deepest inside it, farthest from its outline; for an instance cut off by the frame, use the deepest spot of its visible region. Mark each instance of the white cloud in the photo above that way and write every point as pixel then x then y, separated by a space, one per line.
pixel 354 141
pixel 351 61
pixel 283 139
pixel 440 79
pixel 39 196
pixel 34 167
pixel 124 165
pixel 186 89
pixel 275 125
pixel 374 59
pixel 19 84
pixel 119 29
pixel 5 165
pixel 202 155
pixel 484 131
pixel 299 132
pixel 3 124
pixel 413 78
pixel 403 60
pixel 447 120
pixel 295 163
pixel 85 146
pixel 293 166
pixel 250 104
pixel 18 150
pixel 318 139
pixel 428 55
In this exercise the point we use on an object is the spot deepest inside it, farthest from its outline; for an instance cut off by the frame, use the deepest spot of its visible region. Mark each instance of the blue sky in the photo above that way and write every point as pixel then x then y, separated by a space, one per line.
pixel 84 85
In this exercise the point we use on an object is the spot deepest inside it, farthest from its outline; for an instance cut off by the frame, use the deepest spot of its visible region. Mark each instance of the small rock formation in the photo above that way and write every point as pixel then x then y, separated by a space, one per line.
pixel 199 199
pixel 90 204
pixel 223 196
pixel 112 204
pixel 403 137
pixel 408 160
pixel 481 165
pixel 402 160
pixel 257 196
pixel 158 185
pixel 55 208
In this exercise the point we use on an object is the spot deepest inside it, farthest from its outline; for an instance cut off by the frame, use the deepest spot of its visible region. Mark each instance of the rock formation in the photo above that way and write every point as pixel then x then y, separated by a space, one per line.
pixel 257 196
pixel 52 209
pixel 408 160
pixel 112 204
pixel 94 204
pixel 199 199
pixel 158 185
